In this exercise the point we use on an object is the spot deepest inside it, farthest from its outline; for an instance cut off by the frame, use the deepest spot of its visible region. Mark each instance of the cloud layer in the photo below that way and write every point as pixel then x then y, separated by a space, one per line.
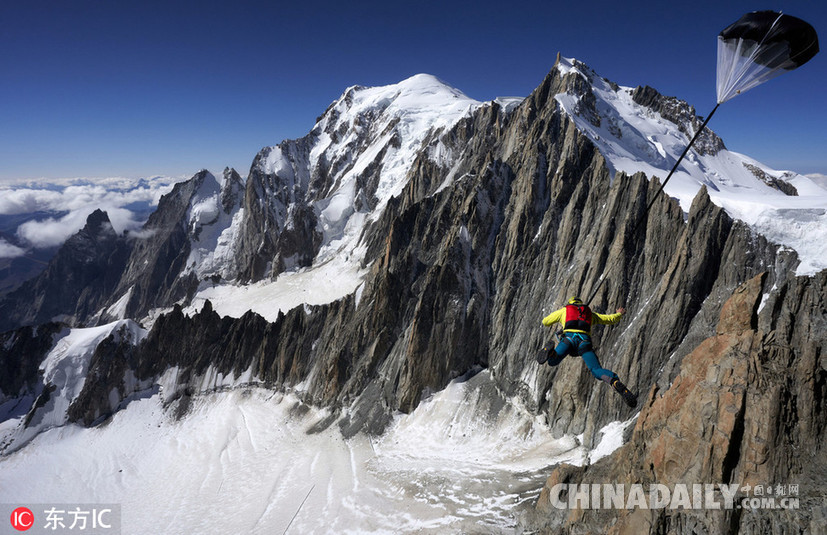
pixel 72 200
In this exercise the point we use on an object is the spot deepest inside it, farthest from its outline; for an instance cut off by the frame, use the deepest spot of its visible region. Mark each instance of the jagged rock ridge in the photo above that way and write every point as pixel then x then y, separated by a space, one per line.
pixel 530 198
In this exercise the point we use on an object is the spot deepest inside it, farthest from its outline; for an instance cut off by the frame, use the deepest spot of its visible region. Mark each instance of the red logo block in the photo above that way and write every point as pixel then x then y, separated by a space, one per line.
pixel 22 519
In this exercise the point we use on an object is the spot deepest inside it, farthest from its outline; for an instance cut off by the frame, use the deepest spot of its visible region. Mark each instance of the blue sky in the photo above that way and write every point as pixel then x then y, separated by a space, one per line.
pixel 135 89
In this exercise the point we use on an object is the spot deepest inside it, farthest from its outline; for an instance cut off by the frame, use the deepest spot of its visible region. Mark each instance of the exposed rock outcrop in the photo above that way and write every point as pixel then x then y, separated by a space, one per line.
pixel 21 352
pixel 462 265
pixel 461 276
pixel 154 266
pixel 279 228
pixel 680 113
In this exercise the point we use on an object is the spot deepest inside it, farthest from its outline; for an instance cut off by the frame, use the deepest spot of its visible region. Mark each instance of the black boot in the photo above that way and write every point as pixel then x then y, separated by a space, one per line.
pixel 628 397
pixel 542 355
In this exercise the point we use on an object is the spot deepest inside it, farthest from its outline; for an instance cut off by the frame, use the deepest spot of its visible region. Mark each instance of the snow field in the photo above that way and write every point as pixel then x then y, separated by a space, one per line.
pixel 242 461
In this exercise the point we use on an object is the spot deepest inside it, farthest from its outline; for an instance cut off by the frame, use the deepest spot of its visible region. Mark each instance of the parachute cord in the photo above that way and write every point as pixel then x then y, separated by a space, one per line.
pixel 674 167
pixel 642 218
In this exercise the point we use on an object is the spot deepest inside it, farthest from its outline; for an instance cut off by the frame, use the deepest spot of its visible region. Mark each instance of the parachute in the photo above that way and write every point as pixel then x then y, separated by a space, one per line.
pixel 760 46
pixel 755 48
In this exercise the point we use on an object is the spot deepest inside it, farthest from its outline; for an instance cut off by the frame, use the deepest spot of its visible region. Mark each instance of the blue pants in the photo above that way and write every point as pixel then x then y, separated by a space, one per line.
pixel 580 344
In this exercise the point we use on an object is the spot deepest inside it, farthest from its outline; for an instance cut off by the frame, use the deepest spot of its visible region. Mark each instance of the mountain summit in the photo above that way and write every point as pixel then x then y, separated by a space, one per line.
pixel 308 199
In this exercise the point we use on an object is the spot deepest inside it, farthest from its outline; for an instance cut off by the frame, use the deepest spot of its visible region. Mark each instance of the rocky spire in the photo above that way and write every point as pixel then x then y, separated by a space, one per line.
pixel 77 282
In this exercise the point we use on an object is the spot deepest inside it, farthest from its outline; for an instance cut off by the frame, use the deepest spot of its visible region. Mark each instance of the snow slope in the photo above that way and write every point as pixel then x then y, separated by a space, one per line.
pixel 64 369
pixel 634 138
pixel 242 461
pixel 323 283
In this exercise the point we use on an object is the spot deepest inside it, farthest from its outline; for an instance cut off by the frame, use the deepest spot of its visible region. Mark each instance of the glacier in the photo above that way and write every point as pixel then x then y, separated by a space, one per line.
pixel 245 457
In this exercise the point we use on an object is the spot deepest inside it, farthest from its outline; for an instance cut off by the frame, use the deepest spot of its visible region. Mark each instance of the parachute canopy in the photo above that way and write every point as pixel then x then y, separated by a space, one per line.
pixel 760 46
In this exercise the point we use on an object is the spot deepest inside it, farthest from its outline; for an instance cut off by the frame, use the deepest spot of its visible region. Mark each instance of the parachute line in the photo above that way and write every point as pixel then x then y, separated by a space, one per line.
pixel 642 218
pixel 745 66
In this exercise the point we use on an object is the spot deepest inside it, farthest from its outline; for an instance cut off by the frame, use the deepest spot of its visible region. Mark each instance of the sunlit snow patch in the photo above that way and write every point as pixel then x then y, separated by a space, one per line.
pixel 338 277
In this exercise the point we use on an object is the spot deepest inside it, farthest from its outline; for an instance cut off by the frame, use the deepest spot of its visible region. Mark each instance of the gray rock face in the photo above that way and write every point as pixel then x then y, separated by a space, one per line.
pixel 771 181
pixel 461 276
pixel 157 260
pixel 279 226
pixel 21 352
pixel 156 274
pixel 682 114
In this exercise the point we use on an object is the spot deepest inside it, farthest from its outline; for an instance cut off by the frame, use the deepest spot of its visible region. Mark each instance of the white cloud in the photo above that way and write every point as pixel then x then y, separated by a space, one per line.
pixel 143 234
pixel 79 194
pixel 7 250
pixel 24 201
pixel 79 197
pixel 51 232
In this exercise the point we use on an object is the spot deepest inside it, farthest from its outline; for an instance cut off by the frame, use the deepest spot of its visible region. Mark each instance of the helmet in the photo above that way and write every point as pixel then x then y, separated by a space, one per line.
pixel 575 301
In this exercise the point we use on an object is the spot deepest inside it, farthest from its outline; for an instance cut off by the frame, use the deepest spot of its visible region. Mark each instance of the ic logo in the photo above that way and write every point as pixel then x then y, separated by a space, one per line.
pixel 22 519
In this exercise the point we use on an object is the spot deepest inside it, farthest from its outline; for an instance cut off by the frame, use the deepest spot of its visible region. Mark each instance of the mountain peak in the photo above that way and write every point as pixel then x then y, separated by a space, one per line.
pixel 420 93
pixel 638 129
pixel 426 83
pixel 97 219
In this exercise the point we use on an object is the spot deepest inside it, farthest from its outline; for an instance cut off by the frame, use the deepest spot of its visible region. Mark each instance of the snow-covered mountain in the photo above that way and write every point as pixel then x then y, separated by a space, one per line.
pixel 355 323
pixel 359 153
pixel 638 130
pixel 298 237
pixel 309 200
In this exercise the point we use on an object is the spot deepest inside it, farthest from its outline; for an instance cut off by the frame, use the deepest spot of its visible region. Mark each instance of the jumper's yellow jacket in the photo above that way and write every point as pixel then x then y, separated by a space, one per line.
pixel 559 316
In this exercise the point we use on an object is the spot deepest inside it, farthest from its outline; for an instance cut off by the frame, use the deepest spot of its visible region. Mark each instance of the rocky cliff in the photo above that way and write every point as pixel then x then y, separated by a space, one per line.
pixel 460 276
pixel 161 268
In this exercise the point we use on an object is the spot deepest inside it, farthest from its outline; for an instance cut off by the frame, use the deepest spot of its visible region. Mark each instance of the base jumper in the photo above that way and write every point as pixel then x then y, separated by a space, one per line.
pixel 577 320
